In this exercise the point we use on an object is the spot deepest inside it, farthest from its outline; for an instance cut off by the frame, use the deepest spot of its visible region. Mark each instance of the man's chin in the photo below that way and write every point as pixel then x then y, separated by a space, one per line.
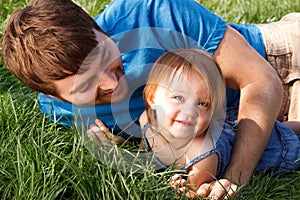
pixel 114 101
pixel 110 100
pixel 104 100
pixel 117 99
pixel 90 104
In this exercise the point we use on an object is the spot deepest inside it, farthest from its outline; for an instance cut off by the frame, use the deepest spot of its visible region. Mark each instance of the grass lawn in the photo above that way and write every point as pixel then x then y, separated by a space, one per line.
pixel 43 160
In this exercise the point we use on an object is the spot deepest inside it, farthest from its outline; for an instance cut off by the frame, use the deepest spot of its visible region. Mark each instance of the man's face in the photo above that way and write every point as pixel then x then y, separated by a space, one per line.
pixel 100 79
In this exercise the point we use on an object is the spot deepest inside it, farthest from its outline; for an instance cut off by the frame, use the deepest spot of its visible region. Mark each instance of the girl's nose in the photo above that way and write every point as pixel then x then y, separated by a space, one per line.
pixel 190 109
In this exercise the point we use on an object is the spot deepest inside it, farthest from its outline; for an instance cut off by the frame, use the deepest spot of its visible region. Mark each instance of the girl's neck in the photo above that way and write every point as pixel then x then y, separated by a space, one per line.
pixel 179 150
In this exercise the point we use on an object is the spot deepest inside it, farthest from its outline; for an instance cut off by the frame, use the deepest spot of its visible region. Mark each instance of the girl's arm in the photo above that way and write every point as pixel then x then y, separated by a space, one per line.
pixel 200 173
pixel 203 171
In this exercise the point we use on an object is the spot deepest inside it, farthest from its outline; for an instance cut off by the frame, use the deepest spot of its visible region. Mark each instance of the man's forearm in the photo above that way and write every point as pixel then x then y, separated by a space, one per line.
pixel 246 153
pixel 261 93
pixel 258 110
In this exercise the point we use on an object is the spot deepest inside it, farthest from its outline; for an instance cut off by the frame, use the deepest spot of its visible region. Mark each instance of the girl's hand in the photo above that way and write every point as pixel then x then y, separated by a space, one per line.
pixel 100 132
pixel 179 184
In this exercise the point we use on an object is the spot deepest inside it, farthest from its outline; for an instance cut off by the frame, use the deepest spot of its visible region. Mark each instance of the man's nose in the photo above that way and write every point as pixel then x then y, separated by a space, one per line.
pixel 108 81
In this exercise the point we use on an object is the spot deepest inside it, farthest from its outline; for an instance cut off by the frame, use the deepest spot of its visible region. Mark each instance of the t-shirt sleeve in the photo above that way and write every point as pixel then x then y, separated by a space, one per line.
pixel 174 23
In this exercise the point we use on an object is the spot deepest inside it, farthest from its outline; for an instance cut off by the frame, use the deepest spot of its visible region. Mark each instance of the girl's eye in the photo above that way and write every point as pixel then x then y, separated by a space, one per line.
pixel 203 104
pixel 178 98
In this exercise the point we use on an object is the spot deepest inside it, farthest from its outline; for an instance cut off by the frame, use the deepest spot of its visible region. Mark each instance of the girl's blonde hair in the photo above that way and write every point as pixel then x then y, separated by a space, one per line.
pixel 188 61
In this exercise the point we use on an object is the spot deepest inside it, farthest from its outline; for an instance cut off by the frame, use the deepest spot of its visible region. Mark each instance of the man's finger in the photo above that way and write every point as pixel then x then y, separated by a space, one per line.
pixel 222 188
pixel 97 133
pixel 233 190
pixel 205 189
pixel 99 123
pixel 113 138
pixel 191 194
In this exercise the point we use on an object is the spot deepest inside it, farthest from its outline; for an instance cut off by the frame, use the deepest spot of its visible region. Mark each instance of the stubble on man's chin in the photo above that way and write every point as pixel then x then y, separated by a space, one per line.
pixel 113 100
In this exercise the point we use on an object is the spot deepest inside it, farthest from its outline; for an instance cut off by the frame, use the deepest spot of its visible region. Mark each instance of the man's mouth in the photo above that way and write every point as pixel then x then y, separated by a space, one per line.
pixel 107 93
pixel 110 92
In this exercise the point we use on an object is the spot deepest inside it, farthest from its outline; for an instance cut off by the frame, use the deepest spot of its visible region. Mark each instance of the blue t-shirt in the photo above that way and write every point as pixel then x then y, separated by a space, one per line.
pixel 143 30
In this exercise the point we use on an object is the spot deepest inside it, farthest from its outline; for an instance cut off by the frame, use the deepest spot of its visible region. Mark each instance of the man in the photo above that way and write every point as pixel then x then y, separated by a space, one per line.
pixel 55 48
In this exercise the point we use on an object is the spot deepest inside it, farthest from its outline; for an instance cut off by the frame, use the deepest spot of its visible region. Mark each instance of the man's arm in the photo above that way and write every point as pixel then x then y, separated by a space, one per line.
pixel 261 93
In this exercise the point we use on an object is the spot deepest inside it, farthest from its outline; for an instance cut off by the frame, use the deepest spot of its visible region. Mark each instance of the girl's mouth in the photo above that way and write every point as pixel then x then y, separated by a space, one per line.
pixel 185 123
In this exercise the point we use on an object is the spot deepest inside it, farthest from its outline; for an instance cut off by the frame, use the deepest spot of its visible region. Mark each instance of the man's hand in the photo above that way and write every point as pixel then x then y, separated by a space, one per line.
pixel 218 189
pixel 100 132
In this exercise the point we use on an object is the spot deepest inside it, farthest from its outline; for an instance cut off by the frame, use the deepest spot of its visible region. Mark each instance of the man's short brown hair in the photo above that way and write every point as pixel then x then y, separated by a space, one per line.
pixel 46 41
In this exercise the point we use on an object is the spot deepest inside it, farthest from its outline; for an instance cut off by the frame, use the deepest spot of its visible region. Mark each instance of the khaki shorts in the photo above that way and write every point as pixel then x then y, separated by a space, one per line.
pixel 282 44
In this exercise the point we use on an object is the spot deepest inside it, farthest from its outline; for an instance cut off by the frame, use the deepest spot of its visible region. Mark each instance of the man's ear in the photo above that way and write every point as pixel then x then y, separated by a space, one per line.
pixel 58 98
pixel 51 96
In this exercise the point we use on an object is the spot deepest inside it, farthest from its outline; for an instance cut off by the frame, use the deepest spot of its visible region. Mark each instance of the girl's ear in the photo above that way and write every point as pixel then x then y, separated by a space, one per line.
pixel 150 100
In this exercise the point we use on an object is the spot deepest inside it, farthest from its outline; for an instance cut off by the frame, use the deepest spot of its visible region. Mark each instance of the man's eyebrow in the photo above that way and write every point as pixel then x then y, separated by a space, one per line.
pixel 88 60
pixel 79 87
pixel 104 57
pixel 95 51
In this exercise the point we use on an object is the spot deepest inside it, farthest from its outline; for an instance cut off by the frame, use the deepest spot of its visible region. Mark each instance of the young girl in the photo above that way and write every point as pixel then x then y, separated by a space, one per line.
pixel 185 123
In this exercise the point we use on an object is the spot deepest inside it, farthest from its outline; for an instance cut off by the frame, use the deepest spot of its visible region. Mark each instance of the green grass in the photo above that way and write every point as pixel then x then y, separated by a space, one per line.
pixel 43 160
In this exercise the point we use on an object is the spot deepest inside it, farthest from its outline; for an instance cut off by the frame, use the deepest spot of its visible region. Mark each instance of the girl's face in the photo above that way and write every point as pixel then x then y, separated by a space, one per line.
pixel 183 107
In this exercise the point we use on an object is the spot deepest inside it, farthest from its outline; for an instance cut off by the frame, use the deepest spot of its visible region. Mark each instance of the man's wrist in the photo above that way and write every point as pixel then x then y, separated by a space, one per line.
pixel 237 177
